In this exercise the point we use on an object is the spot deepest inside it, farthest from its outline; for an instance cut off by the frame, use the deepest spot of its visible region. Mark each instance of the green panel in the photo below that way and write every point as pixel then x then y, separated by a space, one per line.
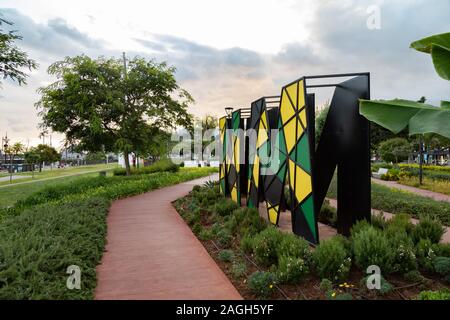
pixel 282 172
pixel 303 158
pixel 308 212
pixel 250 203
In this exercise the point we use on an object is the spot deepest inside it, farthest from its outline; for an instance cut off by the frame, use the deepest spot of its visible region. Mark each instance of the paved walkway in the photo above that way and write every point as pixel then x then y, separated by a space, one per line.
pixel 421 192
pixel 152 254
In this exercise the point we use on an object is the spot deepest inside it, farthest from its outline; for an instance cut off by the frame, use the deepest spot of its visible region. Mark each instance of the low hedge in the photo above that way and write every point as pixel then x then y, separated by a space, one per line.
pixel 159 166
pixel 49 231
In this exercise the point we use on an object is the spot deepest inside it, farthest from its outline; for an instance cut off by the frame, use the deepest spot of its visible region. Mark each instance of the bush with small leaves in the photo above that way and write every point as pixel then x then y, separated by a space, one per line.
pixel 404 258
pixel 238 270
pixel 428 228
pixel 385 286
pixel 333 295
pixel 225 207
pixel 442 249
pixel 224 238
pixel 435 295
pixel 425 254
pixel 265 246
pixel 379 221
pixel 414 276
pixel 291 269
pixel 359 226
pixel 196 188
pixel 326 285
pixel 442 266
pixel 372 247
pixel 294 246
pixel 226 255
pixel 262 284
pixel 205 234
pixel 197 228
pixel 401 221
pixel 332 260
pixel 247 244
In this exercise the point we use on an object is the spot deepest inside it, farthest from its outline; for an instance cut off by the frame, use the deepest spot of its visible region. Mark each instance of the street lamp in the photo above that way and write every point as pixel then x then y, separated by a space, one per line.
pixel 228 111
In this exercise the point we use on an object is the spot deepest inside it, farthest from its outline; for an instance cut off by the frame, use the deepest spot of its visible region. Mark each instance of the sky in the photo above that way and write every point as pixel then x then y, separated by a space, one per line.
pixel 229 53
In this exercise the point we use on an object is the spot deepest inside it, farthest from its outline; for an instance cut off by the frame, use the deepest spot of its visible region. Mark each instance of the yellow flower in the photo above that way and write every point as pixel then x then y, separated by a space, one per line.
pixel 271 286
pixel 333 294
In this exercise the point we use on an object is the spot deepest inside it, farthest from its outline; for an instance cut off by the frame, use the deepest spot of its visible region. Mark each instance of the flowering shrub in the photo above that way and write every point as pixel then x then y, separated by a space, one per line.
pixel 265 246
pixel 291 269
pixel 332 260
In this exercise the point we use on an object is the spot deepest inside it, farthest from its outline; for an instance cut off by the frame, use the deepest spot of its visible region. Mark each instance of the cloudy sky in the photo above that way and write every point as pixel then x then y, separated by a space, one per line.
pixel 229 53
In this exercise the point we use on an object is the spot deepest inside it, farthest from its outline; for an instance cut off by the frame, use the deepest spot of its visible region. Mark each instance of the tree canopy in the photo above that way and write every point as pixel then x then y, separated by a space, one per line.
pixel 100 107
pixel 12 59
pixel 394 150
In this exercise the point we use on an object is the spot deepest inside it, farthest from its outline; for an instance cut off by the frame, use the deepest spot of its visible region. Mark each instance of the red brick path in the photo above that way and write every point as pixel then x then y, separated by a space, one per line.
pixel 152 254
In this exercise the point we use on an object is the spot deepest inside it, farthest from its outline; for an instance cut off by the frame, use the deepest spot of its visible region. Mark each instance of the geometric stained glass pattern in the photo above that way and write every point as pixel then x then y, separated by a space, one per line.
pixel 294 127
pixel 223 163
pixel 258 149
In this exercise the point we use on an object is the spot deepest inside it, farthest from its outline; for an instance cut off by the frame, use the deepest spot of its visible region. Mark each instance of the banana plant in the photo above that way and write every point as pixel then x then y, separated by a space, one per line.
pixel 395 115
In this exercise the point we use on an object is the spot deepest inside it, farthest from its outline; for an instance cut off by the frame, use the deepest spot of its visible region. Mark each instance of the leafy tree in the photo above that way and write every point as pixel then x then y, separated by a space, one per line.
pixel 321 117
pixel 96 156
pixel 12 59
pixel 99 107
pixel 32 157
pixel 13 151
pixel 395 150
pixel 46 154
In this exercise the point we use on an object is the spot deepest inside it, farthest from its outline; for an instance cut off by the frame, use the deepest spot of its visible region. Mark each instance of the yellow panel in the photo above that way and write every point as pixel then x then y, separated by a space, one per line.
pixel 292 91
pixel 234 194
pixel 221 173
pixel 301 95
pixel 263 120
pixel 286 109
pixel 299 130
pixel 289 134
pixel 262 137
pixel 291 173
pixel 273 214
pixel 256 170
pixel 303 184
pixel 237 154
pixel 303 117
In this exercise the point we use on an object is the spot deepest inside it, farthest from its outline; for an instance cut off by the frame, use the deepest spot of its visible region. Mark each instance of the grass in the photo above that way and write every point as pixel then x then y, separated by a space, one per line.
pixel 56 227
pixel 427 184
pixel 11 194
pixel 58 173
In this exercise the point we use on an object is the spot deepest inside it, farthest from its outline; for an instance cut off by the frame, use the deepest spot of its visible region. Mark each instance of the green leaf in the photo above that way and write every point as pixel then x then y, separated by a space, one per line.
pixel 425 44
pixel 439 48
pixel 441 61
pixel 396 115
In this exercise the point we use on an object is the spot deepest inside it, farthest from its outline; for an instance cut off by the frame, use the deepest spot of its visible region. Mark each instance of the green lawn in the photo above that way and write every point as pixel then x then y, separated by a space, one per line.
pixel 57 173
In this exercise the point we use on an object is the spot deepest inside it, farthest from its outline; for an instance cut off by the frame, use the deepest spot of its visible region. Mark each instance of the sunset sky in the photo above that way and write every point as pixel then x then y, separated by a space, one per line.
pixel 228 53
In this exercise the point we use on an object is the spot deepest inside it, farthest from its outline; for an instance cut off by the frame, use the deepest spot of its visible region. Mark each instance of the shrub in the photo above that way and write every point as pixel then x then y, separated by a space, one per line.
pixel 442 266
pixel 326 285
pixel 428 228
pixel 291 269
pixel 331 295
pixel 413 276
pixel 238 270
pixel 224 238
pixel 262 284
pixel 328 214
pixel 197 228
pixel 226 255
pixel 379 221
pixel 404 258
pixel 435 295
pixel 359 226
pixel 371 247
pixel 246 221
pixel 425 253
pixel 159 166
pixel 443 249
pixel 265 246
pixel 385 286
pixel 294 246
pixel 401 222
pixel 205 234
pixel 225 207
pixel 247 244
pixel 332 260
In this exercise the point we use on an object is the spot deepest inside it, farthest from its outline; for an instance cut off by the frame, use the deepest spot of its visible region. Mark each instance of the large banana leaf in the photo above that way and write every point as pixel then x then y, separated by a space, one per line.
pixel 397 114
pixel 439 48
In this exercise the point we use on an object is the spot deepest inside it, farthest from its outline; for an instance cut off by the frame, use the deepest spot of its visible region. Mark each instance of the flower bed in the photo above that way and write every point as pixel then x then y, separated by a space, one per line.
pixel 263 262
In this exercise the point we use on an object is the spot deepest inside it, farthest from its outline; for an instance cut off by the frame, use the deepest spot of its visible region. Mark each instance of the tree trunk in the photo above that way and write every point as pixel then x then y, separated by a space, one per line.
pixel 127 162
pixel 11 168
pixel 420 160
